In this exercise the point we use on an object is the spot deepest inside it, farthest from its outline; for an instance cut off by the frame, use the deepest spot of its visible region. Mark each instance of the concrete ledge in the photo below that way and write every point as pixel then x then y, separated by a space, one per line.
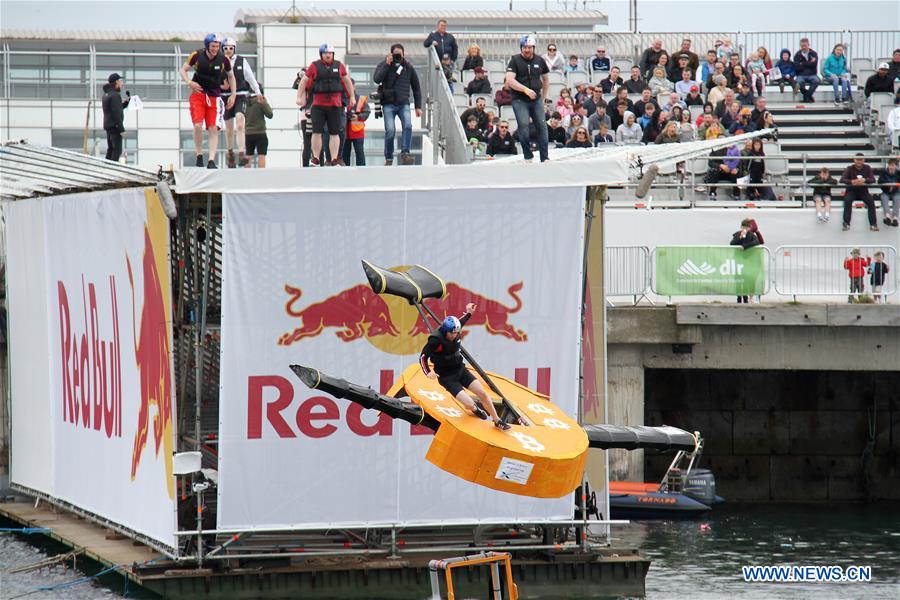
pixel 829 315
pixel 649 325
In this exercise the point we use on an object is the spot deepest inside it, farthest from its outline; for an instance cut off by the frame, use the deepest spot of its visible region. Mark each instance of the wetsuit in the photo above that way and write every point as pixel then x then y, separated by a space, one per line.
pixel 447 359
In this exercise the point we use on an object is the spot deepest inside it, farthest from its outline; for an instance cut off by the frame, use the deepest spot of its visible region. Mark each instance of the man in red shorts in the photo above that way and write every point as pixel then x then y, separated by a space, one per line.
pixel 211 70
pixel 328 80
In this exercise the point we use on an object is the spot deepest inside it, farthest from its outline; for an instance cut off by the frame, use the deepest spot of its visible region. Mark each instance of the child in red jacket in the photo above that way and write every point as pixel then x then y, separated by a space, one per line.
pixel 856 269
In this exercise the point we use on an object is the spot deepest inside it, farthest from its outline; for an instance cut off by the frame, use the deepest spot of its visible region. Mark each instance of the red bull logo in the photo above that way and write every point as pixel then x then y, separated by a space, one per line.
pixel 152 348
pixel 389 323
pixel 91 366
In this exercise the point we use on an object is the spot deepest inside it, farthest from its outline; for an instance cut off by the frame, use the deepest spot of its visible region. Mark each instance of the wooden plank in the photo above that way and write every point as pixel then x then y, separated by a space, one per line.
pixel 92 538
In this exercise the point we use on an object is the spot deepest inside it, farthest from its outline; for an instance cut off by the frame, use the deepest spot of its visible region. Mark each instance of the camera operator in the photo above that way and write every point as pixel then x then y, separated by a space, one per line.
pixel 395 76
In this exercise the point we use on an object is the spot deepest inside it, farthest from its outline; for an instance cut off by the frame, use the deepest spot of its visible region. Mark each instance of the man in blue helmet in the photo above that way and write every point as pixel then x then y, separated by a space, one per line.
pixel 527 79
pixel 328 80
pixel 211 70
pixel 443 350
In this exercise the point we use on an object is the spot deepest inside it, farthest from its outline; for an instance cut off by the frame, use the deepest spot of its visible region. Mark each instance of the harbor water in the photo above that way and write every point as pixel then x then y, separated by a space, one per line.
pixel 694 559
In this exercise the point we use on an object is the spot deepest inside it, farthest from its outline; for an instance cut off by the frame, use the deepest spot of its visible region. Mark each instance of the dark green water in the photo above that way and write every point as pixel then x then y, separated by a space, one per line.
pixel 699 559
pixel 691 560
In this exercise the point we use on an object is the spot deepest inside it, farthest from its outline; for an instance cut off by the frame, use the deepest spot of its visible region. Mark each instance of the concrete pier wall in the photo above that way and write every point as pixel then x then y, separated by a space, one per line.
pixel 795 402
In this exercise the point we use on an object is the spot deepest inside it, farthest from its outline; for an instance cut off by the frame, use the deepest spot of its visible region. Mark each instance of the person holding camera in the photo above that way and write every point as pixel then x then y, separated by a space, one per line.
pixel 114 116
pixel 328 80
pixel 395 76
pixel 526 77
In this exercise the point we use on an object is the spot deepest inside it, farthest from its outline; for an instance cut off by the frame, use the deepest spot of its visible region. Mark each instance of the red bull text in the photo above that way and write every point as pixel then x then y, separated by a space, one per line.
pixel 91 366
pixel 272 409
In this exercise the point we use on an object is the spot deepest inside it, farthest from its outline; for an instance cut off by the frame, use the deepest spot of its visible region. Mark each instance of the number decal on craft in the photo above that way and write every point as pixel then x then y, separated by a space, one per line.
pixel 556 424
pixel 450 411
pixel 540 409
pixel 431 395
pixel 528 442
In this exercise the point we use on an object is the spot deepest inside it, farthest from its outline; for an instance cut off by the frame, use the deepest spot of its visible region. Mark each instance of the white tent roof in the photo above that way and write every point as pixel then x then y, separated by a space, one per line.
pixel 567 167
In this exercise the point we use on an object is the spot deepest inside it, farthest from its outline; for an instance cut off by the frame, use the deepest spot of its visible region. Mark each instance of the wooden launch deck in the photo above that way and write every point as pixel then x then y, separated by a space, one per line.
pixel 566 573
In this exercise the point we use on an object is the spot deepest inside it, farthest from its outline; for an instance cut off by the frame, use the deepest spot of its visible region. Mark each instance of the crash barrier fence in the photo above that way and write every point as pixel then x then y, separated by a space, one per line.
pixel 689 176
pixel 812 270
pixel 789 271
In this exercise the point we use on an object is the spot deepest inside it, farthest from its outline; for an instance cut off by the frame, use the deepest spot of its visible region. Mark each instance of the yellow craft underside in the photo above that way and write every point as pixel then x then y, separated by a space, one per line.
pixel 543 460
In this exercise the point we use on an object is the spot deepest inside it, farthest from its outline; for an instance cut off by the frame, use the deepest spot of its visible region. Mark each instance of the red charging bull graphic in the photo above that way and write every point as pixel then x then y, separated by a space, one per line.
pixel 389 323
pixel 91 366
pixel 152 356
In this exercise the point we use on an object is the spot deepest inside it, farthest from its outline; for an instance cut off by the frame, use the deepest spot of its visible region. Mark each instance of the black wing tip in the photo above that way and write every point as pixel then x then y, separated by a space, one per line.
pixel 309 376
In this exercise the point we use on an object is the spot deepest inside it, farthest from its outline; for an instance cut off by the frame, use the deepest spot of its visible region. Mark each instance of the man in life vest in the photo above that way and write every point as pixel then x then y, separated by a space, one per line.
pixel 327 79
pixel 211 70
pixel 443 350
pixel 234 117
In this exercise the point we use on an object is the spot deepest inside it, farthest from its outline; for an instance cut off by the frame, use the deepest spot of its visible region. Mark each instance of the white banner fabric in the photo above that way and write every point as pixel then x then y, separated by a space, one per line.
pixel 31 445
pixel 108 349
pixel 295 292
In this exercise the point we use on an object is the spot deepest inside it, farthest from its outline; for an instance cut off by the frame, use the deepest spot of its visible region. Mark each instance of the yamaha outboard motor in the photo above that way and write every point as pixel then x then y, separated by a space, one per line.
pixel 701 486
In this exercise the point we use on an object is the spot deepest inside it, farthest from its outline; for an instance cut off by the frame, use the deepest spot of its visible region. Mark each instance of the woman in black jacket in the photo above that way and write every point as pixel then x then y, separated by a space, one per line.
pixel 473 58
pixel 756 170
pixel 746 237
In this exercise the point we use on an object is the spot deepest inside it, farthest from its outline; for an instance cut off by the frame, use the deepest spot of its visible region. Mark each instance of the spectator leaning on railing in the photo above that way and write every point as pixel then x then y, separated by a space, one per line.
pixel 442 41
pixel 881 81
pixel 858 177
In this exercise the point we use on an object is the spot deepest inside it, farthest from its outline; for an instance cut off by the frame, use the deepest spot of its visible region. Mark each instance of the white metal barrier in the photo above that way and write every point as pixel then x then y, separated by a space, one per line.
pixel 809 270
pixel 626 271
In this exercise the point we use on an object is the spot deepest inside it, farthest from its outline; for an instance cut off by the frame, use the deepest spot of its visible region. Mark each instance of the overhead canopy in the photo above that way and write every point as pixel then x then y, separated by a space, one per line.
pixel 612 165
pixel 28 170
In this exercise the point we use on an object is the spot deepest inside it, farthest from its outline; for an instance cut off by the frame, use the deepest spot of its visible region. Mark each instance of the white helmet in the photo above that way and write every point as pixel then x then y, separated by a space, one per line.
pixel 229 42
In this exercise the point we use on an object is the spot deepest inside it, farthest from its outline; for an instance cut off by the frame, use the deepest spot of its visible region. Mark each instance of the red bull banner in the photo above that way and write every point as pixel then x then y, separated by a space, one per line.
pixel 104 423
pixel 295 292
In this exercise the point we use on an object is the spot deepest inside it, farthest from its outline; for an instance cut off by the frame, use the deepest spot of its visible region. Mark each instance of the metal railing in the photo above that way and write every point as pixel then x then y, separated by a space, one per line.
pixel 818 270
pixel 626 271
pixel 445 129
pixel 791 271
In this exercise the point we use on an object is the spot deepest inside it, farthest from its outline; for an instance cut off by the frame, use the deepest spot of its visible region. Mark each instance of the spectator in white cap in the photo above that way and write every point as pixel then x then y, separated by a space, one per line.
pixel 881 81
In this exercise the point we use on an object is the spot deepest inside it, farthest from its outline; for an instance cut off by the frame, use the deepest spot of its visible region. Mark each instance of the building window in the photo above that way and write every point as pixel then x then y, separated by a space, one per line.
pixel 50 76
pixel 73 139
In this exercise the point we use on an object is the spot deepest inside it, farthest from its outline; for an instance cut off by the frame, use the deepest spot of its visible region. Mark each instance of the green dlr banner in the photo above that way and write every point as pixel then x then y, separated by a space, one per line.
pixel 710 271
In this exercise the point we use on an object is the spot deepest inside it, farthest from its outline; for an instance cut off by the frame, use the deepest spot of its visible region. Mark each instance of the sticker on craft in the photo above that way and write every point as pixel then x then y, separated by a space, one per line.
pixel 516 471
pixel 431 395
